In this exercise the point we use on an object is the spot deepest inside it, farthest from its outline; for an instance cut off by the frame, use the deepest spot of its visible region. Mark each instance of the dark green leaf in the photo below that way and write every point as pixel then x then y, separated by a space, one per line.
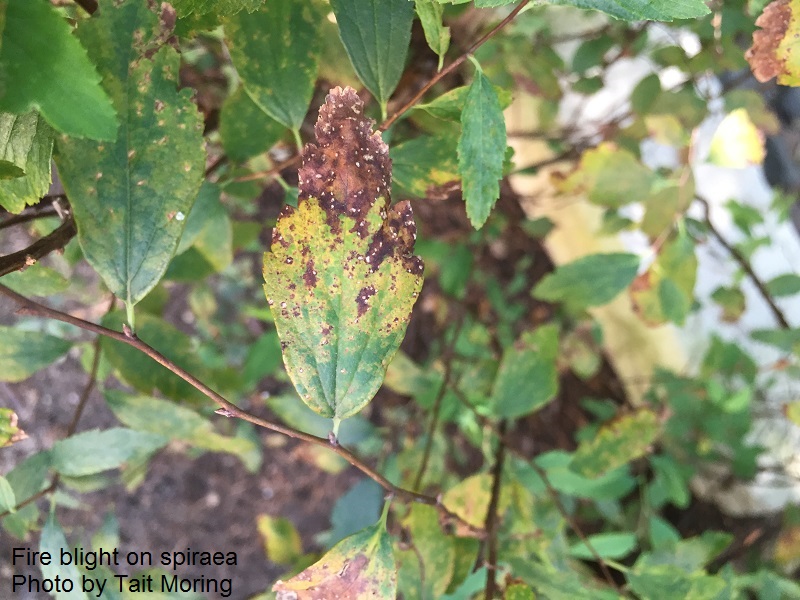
pixel 784 285
pixel 481 149
pixel 274 51
pixel 593 280
pixel 667 582
pixel 606 545
pixel 96 451
pixel 22 353
pixel 131 197
pixel 216 7
pixel 26 145
pixel 376 35
pixel 245 130
pixel 44 67
pixel 8 501
pixel 341 277
pixel 208 229
pixel 357 508
pixel 436 34
pixel 634 10
pixel 527 378
pixel 787 340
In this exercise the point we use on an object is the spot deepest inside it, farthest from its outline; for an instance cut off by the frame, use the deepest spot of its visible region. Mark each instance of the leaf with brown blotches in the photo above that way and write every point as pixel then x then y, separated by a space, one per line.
pixel 775 51
pixel 359 567
pixel 10 433
pixel 341 277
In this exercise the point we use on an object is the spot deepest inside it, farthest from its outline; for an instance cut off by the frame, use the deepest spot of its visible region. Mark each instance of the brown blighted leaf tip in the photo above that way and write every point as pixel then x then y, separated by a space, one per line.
pixel 348 169
pixel 763 54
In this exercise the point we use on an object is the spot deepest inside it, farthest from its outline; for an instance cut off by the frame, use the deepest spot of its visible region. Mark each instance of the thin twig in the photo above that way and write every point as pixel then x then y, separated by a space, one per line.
pixel 228 409
pixel 437 404
pixel 25 217
pixel 553 492
pixel 53 241
pixel 452 66
pixel 491 513
pixel 744 264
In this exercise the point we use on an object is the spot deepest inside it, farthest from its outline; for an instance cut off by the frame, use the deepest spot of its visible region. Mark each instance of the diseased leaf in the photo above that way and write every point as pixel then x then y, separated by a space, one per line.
pixel 376 35
pixel 431 546
pixel 26 145
pixel 436 34
pixel 341 276
pixel 360 567
pixel 10 433
pixel 775 51
pixel 469 499
pixel 281 541
pixel 131 196
pixel 96 451
pixel 426 166
pixel 731 301
pixel 634 10
pixel 592 280
pixel 527 378
pixel 481 149
pixel 44 67
pixel 22 353
pixel 274 51
pixel 737 142
pixel 618 442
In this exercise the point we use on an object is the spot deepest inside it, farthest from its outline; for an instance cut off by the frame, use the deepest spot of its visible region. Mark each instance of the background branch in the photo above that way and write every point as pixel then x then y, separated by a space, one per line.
pixel 41 247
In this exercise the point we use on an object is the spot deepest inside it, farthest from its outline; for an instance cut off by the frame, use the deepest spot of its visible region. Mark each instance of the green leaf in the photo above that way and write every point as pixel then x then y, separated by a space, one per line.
pixel 668 582
pixel 274 51
pixel 436 34
pixel 426 165
pixel 618 442
pixel 239 119
pixel 217 7
pixel 26 145
pixel 167 419
pixel 481 149
pixel 527 378
pixel 360 567
pixel 784 285
pixel 131 197
pixel 43 66
pixel 450 105
pixel 635 10
pixel 606 545
pixel 592 280
pixel 787 340
pixel 519 591
pixel 54 543
pixel 610 176
pixel 377 36
pixel 341 277
pixel 143 373
pixel 8 501
pixel 36 280
pixel 96 451
pixel 22 353
pixel 10 433
pixel 281 541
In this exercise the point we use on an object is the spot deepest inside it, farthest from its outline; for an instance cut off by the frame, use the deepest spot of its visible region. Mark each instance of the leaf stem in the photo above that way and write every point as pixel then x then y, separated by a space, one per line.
pixel 31 307
pixel 452 66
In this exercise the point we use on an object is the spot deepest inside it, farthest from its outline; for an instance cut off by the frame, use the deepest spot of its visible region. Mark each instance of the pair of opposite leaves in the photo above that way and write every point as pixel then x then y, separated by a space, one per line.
pixel 341 277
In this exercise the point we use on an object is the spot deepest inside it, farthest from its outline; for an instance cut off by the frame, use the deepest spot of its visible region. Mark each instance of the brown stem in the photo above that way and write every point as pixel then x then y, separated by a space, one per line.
pixel 53 241
pixel 452 66
pixel 491 513
pixel 553 493
pixel 228 409
pixel 744 264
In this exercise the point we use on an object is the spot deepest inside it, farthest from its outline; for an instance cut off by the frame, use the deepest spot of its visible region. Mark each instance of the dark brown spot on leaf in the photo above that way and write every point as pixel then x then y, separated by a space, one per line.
pixel 363 299
pixel 763 54
pixel 310 276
